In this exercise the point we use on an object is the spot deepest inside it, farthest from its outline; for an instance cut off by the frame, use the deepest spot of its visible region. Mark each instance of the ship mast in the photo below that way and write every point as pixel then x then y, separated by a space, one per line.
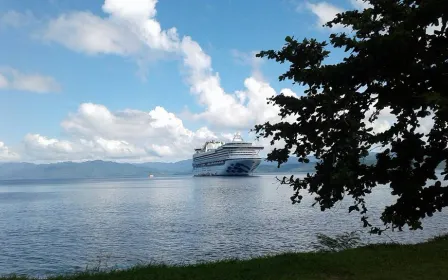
pixel 238 137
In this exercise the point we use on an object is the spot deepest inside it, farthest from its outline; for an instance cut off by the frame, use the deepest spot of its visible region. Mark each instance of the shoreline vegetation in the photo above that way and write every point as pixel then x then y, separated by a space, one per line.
pixel 337 258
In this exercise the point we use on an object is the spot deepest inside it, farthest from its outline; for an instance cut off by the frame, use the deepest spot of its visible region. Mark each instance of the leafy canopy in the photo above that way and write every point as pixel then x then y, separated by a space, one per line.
pixel 392 61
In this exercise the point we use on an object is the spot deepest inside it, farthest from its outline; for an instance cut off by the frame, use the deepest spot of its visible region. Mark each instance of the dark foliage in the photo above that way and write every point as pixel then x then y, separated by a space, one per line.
pixel 392 62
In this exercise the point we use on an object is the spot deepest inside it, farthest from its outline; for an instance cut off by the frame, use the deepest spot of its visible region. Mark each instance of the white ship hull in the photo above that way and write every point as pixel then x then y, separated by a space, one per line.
pixel 231 167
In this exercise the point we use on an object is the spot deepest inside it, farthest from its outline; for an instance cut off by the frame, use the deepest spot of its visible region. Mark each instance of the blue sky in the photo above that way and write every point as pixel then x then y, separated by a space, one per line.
pixel 60 57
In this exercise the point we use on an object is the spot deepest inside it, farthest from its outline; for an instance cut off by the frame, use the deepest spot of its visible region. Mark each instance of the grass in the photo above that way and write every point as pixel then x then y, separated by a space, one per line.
pixel 428 260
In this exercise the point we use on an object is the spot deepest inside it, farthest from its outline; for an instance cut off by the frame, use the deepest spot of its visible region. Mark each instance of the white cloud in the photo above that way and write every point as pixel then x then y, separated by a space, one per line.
pixel 257 92
pixel 6 154
pixel 221 109
pixel 162 150
pixel 37 144
pixel 240 110
pixel 360 4
pixel 138 16
pixel 85 32
pixel 386 119
pixel 131 29
pixel 325 12
pixel 431 28
pixel 94 119
pixel 128 30
pixel 383 122
pixel 15 80
pixel 135 10
pixel 42 148
pixel 95 132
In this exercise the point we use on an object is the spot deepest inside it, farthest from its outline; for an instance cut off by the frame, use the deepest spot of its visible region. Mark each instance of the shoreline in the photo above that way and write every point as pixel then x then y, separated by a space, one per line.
pixel 425 260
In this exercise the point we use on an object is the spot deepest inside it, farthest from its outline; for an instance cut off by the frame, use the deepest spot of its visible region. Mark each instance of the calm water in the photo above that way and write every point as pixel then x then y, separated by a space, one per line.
pixel 58 227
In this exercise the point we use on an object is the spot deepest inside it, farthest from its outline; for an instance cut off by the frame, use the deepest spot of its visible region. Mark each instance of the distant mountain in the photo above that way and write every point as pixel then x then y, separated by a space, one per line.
pixel 71 170
pixel 292 165
pixel 293 168
pixel 180 167
pixel 107 169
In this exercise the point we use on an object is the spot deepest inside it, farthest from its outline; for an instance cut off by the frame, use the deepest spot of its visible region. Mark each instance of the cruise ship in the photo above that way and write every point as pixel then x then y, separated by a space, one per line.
pixel 235 158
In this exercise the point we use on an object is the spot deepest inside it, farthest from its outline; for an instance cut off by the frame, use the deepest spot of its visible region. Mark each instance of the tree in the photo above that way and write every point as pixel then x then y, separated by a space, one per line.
pixel 393 61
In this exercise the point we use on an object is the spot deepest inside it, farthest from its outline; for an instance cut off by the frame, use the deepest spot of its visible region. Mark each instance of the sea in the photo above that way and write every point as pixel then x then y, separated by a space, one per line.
pixel 65 226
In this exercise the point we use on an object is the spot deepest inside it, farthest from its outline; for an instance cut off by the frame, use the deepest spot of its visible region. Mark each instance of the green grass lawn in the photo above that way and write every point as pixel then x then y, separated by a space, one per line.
pixel 427 260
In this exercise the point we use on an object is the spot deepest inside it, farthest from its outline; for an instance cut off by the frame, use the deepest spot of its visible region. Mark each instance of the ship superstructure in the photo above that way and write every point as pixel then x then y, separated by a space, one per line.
pixel 235 158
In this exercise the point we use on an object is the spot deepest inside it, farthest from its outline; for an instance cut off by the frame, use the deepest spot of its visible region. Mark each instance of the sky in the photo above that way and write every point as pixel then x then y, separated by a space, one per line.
pixel 143 80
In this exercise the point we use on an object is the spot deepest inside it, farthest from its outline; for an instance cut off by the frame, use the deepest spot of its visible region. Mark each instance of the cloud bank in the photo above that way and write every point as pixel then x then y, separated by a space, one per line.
pixel 130 29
